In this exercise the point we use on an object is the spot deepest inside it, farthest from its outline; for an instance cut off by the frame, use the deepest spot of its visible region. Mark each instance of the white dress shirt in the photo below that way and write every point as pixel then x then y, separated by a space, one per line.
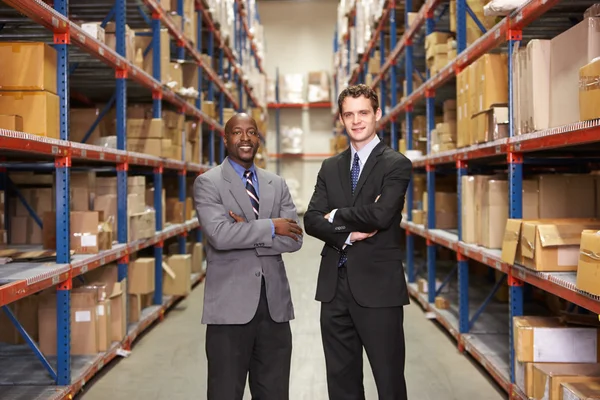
pixel 363 155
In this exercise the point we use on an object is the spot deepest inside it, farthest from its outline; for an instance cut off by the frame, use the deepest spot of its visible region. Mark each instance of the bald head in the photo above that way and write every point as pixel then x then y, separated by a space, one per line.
pixel 237 119
pixel 241 139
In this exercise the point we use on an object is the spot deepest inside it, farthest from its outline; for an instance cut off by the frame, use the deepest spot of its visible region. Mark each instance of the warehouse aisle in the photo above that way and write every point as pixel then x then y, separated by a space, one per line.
pixel 169 362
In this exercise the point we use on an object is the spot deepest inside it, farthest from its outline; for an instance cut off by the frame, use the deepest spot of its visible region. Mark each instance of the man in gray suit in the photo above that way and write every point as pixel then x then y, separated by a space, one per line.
pixel 249 218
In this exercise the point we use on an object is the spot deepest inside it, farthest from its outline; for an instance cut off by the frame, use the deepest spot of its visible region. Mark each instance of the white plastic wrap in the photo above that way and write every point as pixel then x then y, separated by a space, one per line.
pixel 502 7
pixel 291 140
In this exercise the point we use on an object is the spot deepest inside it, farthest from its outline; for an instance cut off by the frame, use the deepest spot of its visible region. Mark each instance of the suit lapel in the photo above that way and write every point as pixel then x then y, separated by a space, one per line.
pixel 237 190
pixel 266 195
pixel 366 171
pixel 344 170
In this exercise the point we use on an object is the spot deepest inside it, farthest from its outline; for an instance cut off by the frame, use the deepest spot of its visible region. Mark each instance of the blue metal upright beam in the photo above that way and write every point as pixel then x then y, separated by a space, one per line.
pixel 463 262
pixel 158 172
pixel 221 104
pixel 461 25
pixel 180 47
pixel 515 184
pixel 393 77
pixel 408 71
pixel 158 247
pixel 211 98
pixel 63 165
pixel 181 239
pixel 121 108
pixel 430 110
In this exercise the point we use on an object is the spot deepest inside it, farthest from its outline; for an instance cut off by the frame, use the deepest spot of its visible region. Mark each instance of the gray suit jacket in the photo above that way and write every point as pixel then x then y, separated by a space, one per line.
pixel 238 254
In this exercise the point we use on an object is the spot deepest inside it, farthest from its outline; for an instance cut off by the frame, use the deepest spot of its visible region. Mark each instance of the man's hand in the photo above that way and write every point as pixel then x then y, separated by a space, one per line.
pixel 358 236
pixel 327 216
pixel 287 227
pixel 236 217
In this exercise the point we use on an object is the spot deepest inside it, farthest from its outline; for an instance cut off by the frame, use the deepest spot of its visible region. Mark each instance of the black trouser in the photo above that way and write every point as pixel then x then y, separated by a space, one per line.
pixel 345 328
pixel 262 348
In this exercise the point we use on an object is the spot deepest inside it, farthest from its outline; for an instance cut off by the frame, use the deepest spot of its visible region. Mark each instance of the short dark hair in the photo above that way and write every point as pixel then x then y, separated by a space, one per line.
pixel 356 91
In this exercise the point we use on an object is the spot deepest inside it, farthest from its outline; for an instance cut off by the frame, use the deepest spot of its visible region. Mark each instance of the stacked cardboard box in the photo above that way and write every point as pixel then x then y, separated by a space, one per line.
pixel 436 51
pixel 482 97
pixel 443 137
pixel 542 366
pixel 554 79
pixel 110 33
pixel 29 88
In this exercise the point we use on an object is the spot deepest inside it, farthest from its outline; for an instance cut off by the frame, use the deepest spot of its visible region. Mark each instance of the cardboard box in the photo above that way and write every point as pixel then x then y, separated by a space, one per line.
pixel 118 312
pixel 494 213
pixel 490 82
pixel 142 225
pixel 544 340
pixel 442 303
pixel 84 231
pixel 11 122
pixel 548 378
pixel 27 66
pixel 144 128
pixel 531 82
pixel 181 283
pixel 545 245
pixel 570 51
pixel 104 328
pixel 130 40
pixel 142 43
pixel 134 303
pixel 566 196
pixel 589 90
pixel 153 147
pixel 140 274
pixel 150 203
pixel 39 110
pixel 197 257
pixel 95 30
pixel 588 267
pixel 175 210
pixel 552 247
pixel 588 390
pixel 418 217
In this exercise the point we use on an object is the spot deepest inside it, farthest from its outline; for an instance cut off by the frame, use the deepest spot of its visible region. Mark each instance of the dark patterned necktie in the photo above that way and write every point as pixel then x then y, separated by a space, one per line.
pixel 251 192
pixel 354 173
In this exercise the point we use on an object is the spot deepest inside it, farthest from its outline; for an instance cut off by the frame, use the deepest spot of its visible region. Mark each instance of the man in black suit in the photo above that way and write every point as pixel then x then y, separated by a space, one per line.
pixel 356 210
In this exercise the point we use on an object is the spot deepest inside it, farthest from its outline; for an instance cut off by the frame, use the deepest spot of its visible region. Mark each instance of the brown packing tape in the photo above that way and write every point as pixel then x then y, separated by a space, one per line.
pixel 587 83
pixel 168 270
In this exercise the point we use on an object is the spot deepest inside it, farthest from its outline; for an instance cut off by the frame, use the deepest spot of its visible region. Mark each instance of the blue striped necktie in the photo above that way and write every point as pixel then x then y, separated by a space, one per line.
pixel 251 192
pixel 354 175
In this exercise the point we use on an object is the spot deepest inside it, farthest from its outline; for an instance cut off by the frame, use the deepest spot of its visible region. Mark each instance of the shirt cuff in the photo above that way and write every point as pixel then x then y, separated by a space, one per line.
pixel 272 228
pixel 332 215
pixel 347 242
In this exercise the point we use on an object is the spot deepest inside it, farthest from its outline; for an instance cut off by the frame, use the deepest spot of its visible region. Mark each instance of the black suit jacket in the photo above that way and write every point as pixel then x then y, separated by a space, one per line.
pixel 375 271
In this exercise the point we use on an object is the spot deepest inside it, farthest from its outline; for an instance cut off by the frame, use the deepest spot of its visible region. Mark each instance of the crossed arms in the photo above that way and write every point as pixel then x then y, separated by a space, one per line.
pixel 365 219
pixel 226 232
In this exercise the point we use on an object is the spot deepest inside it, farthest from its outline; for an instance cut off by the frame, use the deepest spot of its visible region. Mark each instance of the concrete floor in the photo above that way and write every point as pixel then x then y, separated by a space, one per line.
pixel 169 361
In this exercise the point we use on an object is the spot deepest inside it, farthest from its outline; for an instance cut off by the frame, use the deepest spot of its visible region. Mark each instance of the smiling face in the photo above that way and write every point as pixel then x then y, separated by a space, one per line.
pixel 241 139
pixel 359 119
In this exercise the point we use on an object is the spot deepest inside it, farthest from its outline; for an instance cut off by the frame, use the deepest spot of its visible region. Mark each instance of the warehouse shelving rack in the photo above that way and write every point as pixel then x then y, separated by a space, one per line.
pixel 80 54
pixel 509 32
pixel 277 105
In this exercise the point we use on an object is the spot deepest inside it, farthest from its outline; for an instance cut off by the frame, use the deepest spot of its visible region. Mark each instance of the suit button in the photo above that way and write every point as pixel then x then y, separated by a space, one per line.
pixel 257 274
